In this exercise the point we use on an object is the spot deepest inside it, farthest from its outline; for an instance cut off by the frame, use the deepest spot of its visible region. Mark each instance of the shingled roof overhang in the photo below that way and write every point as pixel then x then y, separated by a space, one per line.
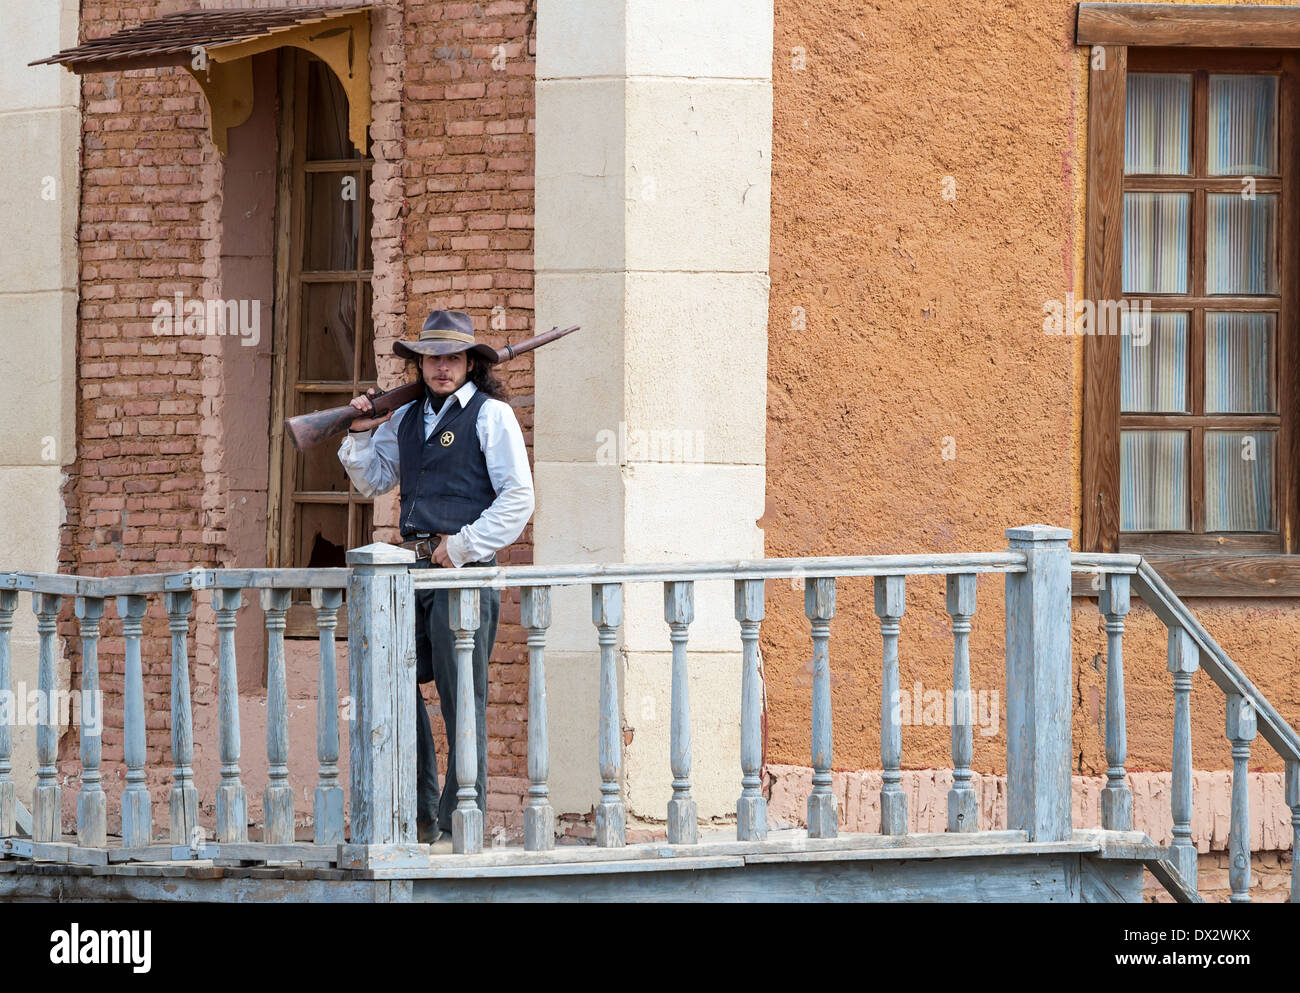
pixel 216 47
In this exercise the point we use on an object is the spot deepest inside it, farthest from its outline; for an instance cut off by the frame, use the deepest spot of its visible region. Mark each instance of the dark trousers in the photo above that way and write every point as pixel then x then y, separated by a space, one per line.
pixel 435 658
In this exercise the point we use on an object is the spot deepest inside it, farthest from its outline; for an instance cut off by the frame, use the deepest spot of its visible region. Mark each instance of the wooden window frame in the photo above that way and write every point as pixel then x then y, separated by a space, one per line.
pixel 292 168
pixel 1154 37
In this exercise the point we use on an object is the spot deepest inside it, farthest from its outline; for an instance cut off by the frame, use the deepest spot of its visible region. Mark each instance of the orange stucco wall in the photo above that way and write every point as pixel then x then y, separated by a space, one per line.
pixel 924 323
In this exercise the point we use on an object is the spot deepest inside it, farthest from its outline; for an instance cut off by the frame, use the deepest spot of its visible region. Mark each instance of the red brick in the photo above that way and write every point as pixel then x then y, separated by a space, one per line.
pixel 454 154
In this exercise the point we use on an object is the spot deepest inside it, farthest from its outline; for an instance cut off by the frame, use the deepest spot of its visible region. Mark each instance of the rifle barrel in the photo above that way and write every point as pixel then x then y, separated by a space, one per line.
pixel 309 430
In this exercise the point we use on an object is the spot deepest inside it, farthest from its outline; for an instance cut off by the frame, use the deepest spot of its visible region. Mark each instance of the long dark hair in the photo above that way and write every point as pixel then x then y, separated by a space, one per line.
pixel 480 374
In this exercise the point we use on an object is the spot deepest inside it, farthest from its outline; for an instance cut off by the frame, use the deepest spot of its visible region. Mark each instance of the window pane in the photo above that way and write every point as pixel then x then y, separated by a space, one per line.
pixel 1157 131
pixel 367 258
pixel 1155 242
pixel 325 337
pixel 1241 249
pixel 1243 126
pixel 1153 363
pixel 1239 363
pixel 368 374
pixel 333 208
pixel 365 525
pixel 1239 480
pixel 1153 481
pixel 319 469
pixel 322 535
pixel 327 115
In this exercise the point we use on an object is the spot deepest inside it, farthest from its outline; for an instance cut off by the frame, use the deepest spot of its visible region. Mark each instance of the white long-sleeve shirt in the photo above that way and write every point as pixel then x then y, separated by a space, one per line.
pixel 371 461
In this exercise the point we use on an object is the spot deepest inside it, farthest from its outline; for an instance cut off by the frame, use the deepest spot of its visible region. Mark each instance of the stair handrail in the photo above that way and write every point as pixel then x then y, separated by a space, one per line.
pixel 1218 665
pixel 1247 712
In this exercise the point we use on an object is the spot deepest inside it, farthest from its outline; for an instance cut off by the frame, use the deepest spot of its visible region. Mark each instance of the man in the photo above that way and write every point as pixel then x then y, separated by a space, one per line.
pixel 466 493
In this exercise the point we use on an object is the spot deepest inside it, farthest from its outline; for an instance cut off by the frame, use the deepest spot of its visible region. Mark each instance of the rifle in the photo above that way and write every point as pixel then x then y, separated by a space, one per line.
pixel 309 430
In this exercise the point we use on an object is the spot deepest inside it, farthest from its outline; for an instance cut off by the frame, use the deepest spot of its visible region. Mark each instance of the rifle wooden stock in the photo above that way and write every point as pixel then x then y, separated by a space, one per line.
pixel 309 430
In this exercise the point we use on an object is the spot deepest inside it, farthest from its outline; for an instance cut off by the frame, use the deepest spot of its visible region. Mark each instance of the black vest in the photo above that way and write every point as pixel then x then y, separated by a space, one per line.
pixel 444 480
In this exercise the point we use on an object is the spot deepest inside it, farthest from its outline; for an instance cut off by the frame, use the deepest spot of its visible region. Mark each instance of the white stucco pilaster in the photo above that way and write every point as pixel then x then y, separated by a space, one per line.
pixel 654 132
pixel 40 133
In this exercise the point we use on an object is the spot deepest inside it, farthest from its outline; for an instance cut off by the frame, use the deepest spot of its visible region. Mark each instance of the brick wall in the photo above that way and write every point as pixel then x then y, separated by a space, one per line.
pixel 453 194
pixel 134 493
pixel 467 176
pixel 1270 879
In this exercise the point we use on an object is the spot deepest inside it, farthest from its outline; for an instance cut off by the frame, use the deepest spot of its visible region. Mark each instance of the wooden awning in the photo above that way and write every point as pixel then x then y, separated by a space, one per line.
pixel 216 47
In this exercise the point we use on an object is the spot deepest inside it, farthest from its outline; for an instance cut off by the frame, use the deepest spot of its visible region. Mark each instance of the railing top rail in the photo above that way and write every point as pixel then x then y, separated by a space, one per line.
pixel 164 582
pixel 39 582
pixel 1104 562
pixel 518 576
pixel 840 566
pixel 1157 595
pixel 277 579
pixel 1166 605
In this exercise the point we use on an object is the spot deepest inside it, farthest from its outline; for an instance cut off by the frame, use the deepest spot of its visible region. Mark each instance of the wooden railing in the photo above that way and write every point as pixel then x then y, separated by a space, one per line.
pixel 381 585
pixel 129 596
pixel 819 575
pixel 1246 713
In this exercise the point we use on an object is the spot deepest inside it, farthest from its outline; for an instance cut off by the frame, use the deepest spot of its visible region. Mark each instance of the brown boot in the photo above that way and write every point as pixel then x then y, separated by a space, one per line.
pixel 426 832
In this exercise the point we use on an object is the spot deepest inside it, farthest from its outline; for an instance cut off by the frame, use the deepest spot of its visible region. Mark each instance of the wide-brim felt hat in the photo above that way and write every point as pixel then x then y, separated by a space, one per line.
pixel 446 332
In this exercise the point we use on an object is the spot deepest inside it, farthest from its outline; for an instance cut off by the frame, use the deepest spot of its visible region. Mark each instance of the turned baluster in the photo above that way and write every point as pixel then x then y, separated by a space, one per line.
pixel 232 803
pixel 467 818
pixel 47 807
pixel 1241 728
pixel 539 815
pixel 963 810
pixel 184 806
pixel 611 814
pixel 751 808
pixel 92 804
pixel 277 797
pixel 819 606
pixel 328 807
pixel 1116 798
pixel 890 602
pixel 8 793
pixel 679 611
pixel 1184 660
pixel 137 809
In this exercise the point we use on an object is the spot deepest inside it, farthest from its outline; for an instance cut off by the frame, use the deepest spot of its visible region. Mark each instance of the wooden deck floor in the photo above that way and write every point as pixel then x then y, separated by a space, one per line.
pixel 991 866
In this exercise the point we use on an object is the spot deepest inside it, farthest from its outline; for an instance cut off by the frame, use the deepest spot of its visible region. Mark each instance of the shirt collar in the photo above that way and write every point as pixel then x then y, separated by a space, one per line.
pixel 464 395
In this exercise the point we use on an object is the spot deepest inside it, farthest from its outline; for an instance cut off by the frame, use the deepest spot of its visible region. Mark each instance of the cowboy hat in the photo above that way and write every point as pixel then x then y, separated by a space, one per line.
pixel 445 332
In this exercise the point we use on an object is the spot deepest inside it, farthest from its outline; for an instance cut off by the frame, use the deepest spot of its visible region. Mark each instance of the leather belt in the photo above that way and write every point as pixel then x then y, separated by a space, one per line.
pixel 423 546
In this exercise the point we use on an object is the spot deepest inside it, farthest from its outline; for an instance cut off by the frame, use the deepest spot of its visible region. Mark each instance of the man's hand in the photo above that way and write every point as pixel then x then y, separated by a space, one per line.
pixel 440 556
pixel 365 405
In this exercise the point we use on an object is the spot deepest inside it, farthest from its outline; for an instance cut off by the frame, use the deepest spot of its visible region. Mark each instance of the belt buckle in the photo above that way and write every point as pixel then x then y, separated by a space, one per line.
pixel 422 549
